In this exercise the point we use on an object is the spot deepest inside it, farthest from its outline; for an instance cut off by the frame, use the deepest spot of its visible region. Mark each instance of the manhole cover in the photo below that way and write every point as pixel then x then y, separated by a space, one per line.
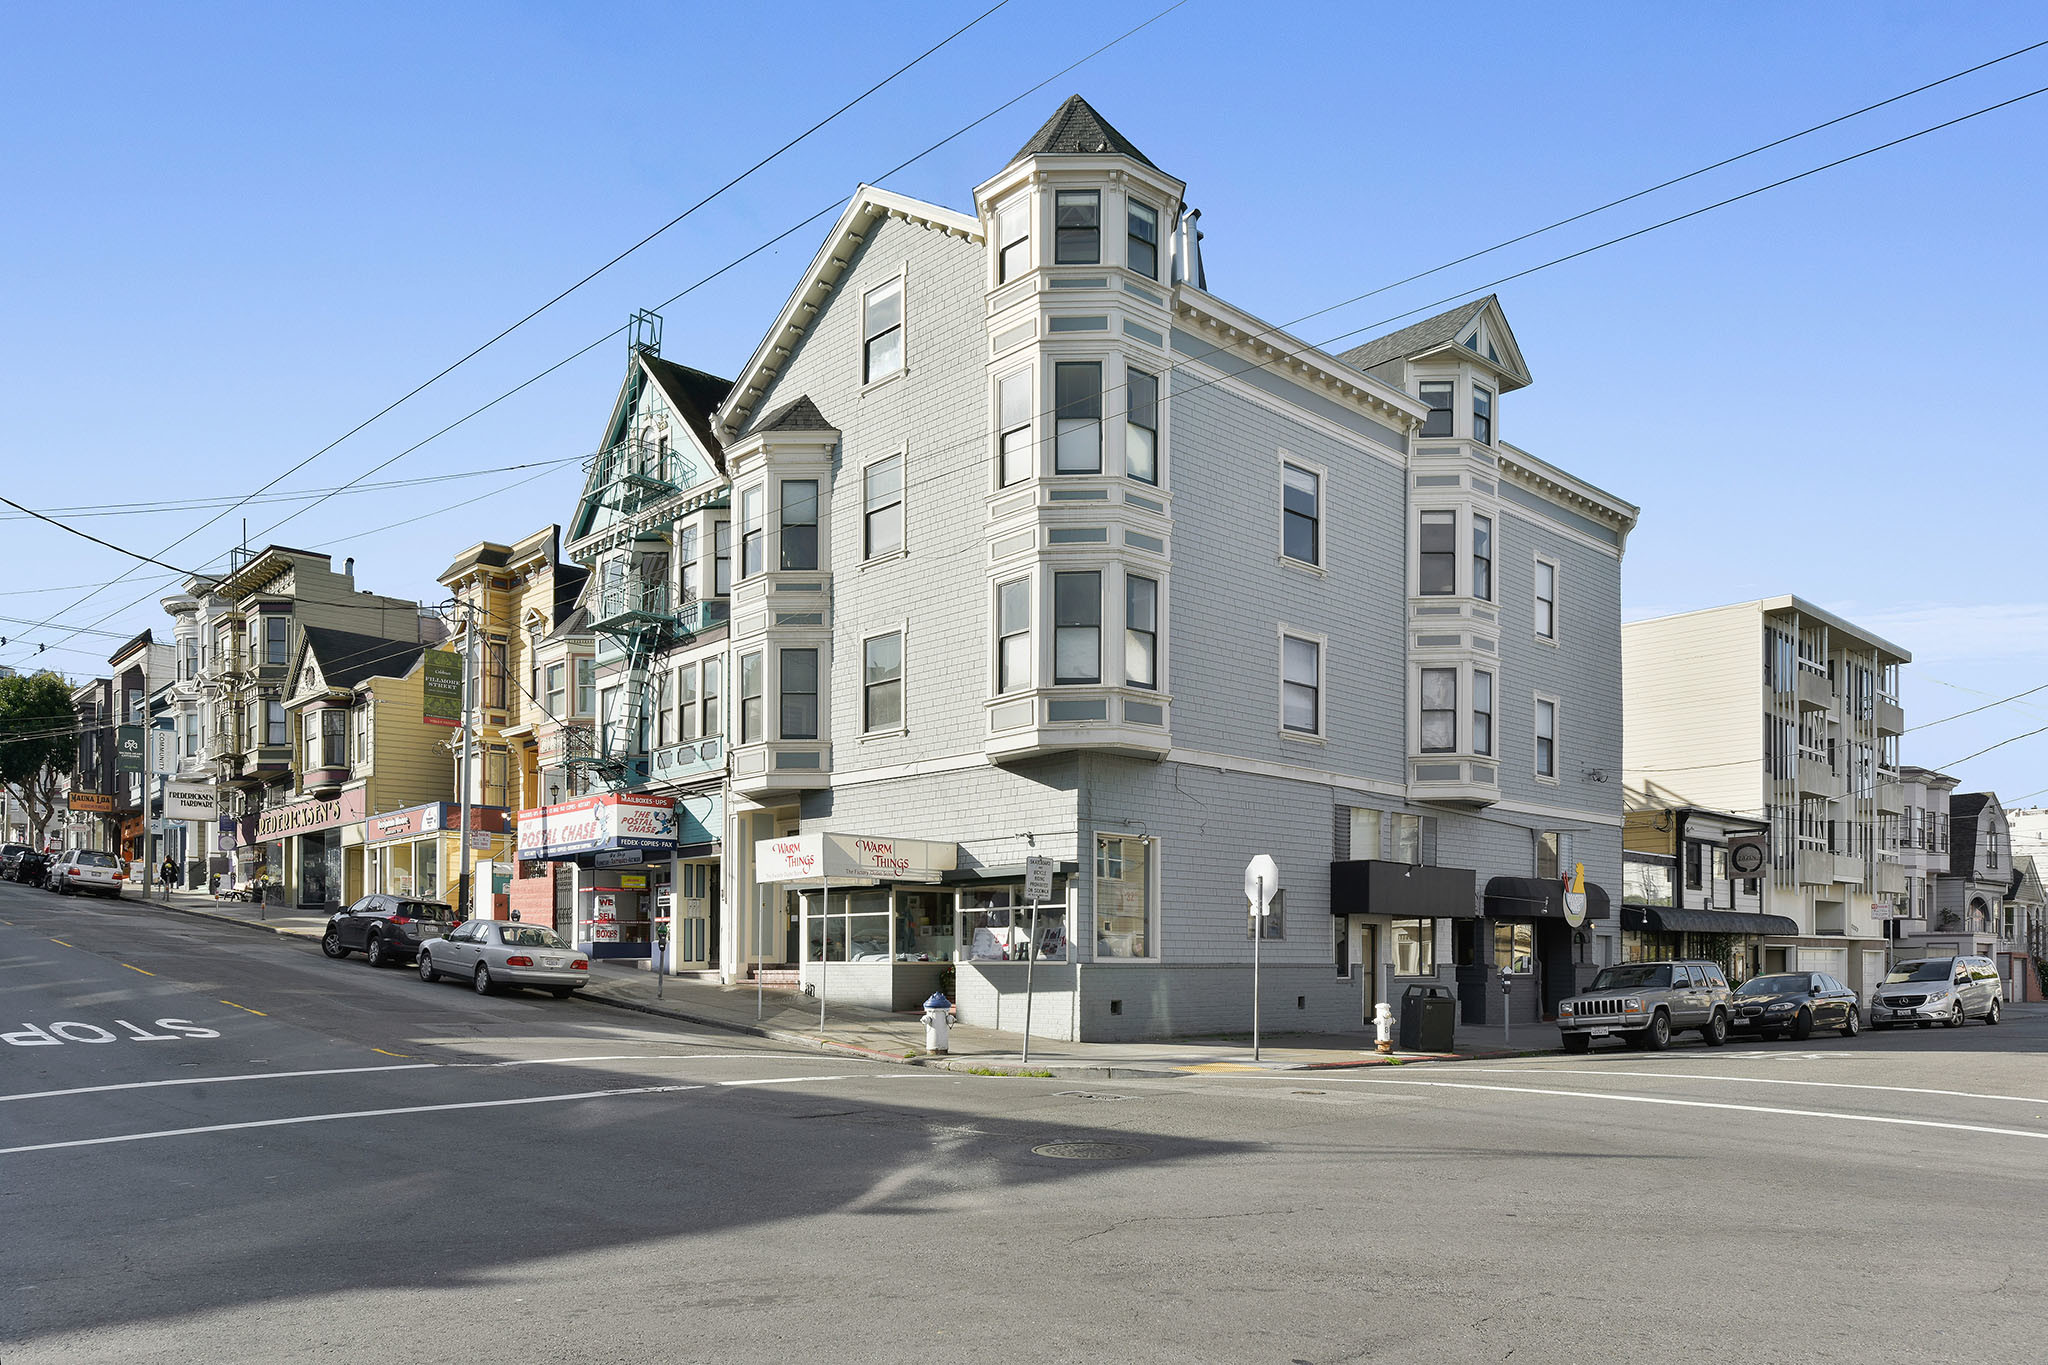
pixel 1089 1095
pixel 1091 1151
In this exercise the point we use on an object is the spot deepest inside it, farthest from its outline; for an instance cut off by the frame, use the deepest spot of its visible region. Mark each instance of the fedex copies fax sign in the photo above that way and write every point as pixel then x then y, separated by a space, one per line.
pixel 595 823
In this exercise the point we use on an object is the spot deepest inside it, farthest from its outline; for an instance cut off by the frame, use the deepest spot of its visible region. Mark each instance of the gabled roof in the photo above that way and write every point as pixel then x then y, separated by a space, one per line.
pixel 346 658
pixel 694 395
pixel 1443 332
pixel 1965 810
pixel 799 415
pixel 1077 130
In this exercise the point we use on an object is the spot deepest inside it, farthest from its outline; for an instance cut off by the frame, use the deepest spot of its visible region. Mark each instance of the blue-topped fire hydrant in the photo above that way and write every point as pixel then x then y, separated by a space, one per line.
pixel 938 1013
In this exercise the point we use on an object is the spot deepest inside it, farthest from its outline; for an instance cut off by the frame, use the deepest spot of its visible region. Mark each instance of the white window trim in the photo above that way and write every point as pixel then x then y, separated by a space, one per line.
pixel 1022 199
pixel 1157 579
pixel 1032 438
pixel 902 454
pixel 1556 736
pixel 1036 631
pixel 869 383
pixel 1321 734
pixel 1320 569
pixel 1556 599
pixel 901 630
pixel 1461 711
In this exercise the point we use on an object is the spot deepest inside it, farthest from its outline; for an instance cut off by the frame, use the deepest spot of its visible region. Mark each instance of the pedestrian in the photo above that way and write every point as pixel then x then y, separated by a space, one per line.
pixel 170 873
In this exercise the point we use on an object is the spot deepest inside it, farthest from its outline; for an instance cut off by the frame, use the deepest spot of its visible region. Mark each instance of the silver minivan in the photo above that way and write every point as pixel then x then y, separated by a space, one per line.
pixel 1937 990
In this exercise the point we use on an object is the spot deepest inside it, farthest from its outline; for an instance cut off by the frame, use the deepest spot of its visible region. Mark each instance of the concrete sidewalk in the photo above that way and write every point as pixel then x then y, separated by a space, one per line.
pixel 786 1016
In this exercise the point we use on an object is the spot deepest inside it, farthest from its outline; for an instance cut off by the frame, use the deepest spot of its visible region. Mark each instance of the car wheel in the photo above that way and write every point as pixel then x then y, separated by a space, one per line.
pixel 1991 1015
pixel 330 944
pixel 1955 1015
pixel 562 992
pixel 1802 1026
pixel 1716 1031
pixel 483 983
pixel 427 972
pixel 1853 1025
pixel 1657 1036
pixel 376 953
pixel 1578 1042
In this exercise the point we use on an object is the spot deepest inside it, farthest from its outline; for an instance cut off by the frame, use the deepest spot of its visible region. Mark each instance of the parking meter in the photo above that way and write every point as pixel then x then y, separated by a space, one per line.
pixel 1507 1007
pixel 661 958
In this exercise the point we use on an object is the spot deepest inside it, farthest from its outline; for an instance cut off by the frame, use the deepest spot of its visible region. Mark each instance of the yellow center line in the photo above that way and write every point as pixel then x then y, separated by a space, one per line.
pixel 388 1054
pixel 245 1009
pixel 61 942
pixel 133 968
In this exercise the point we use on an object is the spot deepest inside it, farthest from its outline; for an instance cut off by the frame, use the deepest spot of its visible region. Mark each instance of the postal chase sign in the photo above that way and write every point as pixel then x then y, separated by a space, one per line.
pixel 615 820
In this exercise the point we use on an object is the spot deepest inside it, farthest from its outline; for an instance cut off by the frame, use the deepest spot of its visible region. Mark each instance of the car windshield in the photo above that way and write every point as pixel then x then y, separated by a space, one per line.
pixel 1635 976
pixel 531 936
pixel 1774 985
pixel 1934 969
pixel 423 910
pixel 89 858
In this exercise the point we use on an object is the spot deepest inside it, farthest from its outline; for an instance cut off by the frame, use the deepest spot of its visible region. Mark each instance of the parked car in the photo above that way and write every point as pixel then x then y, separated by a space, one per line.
pixel 1645 1003
pixel 30 869
pixel 1931 990
pixel 9 855
pixel 87 869
pixel 385 928
pixel 490 953
pixel 1796 1003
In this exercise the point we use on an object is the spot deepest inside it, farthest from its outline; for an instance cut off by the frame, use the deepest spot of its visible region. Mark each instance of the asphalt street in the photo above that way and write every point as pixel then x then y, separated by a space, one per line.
pixel 217 1145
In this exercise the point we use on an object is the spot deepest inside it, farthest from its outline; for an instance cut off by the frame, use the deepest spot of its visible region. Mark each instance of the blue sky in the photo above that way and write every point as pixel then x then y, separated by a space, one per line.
pixel 234 231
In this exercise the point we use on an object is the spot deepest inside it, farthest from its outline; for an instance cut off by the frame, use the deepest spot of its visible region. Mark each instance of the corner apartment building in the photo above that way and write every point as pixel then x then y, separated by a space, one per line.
pixel 140 668
pixel 1039 547
pixel 1779 710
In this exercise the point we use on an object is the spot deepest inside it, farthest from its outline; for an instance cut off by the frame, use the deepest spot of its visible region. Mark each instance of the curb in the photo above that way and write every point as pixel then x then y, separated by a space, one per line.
pixel 258 925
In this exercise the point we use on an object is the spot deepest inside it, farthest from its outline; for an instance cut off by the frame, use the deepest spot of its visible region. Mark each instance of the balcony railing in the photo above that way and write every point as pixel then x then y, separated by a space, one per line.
pixel 634 473
pixel 1891 717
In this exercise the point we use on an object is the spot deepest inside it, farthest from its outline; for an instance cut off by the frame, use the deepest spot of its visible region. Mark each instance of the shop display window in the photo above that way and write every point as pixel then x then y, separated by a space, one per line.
pixel 855 927
pixel 1514 947
pixel 924 926
pixel 1123 897
pixel 1413 942
pixel 995 926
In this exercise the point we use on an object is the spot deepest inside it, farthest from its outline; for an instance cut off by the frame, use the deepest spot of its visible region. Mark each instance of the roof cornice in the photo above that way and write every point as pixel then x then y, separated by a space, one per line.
pixel 1271 348
pixel 1540 476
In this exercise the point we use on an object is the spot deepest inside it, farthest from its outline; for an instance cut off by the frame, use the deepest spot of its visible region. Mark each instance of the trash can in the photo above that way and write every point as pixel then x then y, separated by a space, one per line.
pixel 1429 1019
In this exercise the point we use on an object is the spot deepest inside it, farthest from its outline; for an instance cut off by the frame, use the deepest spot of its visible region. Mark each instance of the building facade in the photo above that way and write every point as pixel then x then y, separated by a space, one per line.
pixel 1686 892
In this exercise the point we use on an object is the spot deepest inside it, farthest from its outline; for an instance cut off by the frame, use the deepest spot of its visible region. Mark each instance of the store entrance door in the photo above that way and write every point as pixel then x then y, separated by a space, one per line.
pixel 693 936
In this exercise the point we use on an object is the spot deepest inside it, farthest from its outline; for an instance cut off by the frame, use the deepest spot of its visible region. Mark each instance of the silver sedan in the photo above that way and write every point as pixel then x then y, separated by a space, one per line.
pixel 491 953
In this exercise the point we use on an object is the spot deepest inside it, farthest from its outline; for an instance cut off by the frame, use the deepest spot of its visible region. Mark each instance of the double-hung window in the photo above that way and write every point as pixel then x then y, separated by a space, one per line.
pixel 882 683
pixel 1013 240
pixel 276 635
pixel 1141 631
pixel 882 504
pixel 1482 558
pixel 1437 397
pixel 882 332
pixel 1141 426
pixel 586 686
pixel 1301 515
pixel 1301 685
pixel 714 708
pixel 1013 417
pixel 1439 570
pixel 686 702
pixel 1546 600
pixel 1546 737
pixel 1482 415
pixel 1439 710
pixel 799 524
pixel 1077 227
pixel 721 564
pixel 664 717
pixel 750 698
pixel 750 532
pixel 1141 249
pixel 799 694
pixel 1013 635
pixel 1077 395
pixel 1482 713
pixel 686 555
pixel 1077 627
pixel 274 724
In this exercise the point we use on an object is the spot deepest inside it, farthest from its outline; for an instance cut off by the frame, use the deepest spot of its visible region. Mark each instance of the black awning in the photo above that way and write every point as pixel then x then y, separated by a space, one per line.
pixel 1537 898
pixel 1370 886
pixel 1665 920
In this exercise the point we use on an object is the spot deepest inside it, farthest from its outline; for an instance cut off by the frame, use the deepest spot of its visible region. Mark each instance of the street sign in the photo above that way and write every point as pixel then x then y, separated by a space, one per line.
pixel 1038 879
pixel 156 824
pixel 128 749
pixel 480 841
pixel 1261 883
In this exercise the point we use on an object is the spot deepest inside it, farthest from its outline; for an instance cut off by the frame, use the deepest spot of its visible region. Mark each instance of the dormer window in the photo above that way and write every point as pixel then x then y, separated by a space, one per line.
pixel 1077 227
pixel 1013 240
pixel 1141 250
pixel 1482 415
pixel 1438 396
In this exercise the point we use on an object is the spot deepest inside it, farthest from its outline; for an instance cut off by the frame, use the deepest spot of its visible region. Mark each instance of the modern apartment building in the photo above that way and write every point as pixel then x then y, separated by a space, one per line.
pixel 1779 710
pixel 1038 547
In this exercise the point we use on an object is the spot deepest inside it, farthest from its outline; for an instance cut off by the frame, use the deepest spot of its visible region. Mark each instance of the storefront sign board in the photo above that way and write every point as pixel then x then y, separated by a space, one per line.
pixel 191 801
pixel 613 821
pixel 305 817
pixel 91 801
pixel 808 857
pixel 414 821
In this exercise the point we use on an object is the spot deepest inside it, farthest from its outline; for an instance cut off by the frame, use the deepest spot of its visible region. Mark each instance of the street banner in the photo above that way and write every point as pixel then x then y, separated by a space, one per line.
pixel 128 749
pixel 163 748
pixel 441 688
pixel 191 801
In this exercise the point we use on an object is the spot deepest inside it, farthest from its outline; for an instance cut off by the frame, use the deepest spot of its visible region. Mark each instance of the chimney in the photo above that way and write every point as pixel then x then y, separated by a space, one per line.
pixel 1187 251
pixel 348 568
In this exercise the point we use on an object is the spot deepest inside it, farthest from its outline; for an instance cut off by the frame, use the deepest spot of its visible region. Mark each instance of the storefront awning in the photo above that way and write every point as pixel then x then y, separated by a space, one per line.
pixel 1537 898
pixel 810 857
pixel 1665 920
pixel 1371 886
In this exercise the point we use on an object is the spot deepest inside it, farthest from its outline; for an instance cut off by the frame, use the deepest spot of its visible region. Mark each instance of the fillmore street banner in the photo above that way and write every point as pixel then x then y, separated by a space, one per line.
pixel 613 820
pixel 441 688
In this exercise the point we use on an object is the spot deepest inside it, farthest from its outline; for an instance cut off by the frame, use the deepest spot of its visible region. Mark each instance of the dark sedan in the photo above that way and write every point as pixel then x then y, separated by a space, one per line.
pixel 385 928
pixel 1796 1003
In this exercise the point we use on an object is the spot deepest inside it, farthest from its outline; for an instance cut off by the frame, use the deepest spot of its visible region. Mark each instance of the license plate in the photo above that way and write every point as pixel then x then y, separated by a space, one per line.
pixel 554 962
pixel 1599 1032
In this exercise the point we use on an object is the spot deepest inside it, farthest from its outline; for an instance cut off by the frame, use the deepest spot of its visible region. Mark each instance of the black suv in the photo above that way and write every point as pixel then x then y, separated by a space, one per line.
pixel 386 928
pixel 10 854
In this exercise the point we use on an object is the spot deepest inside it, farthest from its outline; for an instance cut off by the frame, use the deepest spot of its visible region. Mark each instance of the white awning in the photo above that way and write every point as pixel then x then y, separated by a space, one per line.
pixel 857 857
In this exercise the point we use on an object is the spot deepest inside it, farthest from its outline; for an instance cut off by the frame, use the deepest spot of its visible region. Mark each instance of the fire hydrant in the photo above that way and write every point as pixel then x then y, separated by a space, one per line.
pixel 938 1013
pixel 1383 1026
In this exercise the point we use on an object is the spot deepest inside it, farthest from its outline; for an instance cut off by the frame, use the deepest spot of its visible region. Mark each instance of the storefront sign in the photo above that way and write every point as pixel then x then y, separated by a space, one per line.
pixel 414 821
pixel 604 905
pixel 632 881
pixel 132 827
pixel 191 801
pixel 304 817
pixel 128 749
pixel 227 835
pixel 92 801
pixel 616 820
pixel 808 857
pixel 603 933
pixel 441 688
pixel 618 857
pixel 1575 896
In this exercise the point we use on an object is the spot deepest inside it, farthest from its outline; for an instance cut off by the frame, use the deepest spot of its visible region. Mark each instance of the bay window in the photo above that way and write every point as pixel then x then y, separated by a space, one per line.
pixel 799 669
pixel 1077 227
pixel 1141 247
pixel 750 532
pixel 799 524
pixel 1482 558
pixel 1013 239
pixel 1141 631
pixel 586 686
pixel 1482 415
pixel 1013 635
pixel 1439 542
pixel 1482 712
pixel 1013 419
pixel 721 565
pixel 1077 425
pixel 688 724
pixel 1141 426
pixel 714 707
pixel 750 698
pixel 1437 397
pixel 1439 710
pixel 557 690
pixel 1077 627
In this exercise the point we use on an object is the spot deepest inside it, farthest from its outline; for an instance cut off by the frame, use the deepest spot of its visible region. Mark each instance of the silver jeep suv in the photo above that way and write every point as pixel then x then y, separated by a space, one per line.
pixel 1644 1003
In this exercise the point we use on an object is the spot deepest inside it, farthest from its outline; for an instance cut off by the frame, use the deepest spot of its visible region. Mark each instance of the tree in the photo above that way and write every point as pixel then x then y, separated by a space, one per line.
pixel 38 745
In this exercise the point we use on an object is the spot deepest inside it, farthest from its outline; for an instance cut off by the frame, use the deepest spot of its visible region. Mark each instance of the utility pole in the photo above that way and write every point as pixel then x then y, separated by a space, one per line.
pixel 462 897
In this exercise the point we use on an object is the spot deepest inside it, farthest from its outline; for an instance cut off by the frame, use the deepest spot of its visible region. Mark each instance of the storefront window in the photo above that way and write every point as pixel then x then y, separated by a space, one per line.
pixel 854 928
pixel 1645 883
pixel 1414 947
pixel 1123 897
pixel 426 869
pixel 924 926
pixel 995 926
pixel 1514 947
